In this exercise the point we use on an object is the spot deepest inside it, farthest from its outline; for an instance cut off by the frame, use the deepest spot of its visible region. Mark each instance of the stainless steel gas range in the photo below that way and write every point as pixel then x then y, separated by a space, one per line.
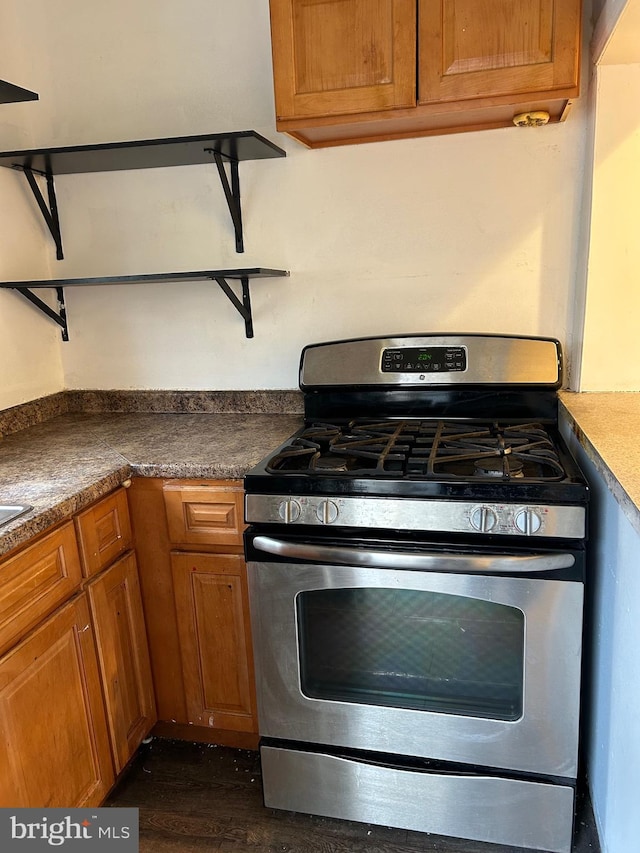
pixel 416 560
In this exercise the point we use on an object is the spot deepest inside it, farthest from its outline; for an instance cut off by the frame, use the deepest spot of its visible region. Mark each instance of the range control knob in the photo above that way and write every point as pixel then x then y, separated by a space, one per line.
pixel 289 511
pixel 483 519
pixel 327 512
pixel 527 521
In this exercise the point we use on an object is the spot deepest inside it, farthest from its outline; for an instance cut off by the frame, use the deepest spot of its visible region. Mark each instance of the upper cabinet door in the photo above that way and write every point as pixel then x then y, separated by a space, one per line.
pixel 485 48
pixel 334 57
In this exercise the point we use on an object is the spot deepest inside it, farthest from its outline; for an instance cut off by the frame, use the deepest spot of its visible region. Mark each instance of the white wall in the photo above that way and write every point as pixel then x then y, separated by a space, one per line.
pixel 612 303
pixel 30 356
pixel 470 232
pixel 611 342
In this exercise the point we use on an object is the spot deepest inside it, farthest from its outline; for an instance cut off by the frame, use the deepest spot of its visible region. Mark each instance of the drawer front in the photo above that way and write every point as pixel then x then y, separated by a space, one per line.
pixel 205 514
pixel 35 581
pixel 104 532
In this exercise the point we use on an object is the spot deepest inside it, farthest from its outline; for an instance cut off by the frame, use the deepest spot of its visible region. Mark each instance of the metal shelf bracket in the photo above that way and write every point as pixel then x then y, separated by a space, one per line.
pixel 50 215
pixel 49 210
pixel 231 193
pixel 59 317
pixel 243 308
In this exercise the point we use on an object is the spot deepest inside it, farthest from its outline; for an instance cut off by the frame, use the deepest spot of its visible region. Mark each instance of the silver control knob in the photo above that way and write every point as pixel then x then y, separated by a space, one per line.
pixel 527 521
pixel 483 519
pixel 327 512
pixel 289 511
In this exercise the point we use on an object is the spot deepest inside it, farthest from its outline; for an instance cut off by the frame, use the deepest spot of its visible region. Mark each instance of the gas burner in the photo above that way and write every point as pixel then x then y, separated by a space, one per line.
pixel 330 463
pixel 422 449
pixel 498 466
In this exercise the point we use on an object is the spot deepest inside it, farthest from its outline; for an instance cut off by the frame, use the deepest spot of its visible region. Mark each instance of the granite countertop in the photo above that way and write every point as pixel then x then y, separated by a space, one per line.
pixel 607 425
pixel 62 465
pixel 65 462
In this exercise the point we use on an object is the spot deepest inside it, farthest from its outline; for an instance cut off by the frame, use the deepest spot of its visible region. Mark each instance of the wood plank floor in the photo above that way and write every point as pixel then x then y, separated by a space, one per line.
pixel 196 797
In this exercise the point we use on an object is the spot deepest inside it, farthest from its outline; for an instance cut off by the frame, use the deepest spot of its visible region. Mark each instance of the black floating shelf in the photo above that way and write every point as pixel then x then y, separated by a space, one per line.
pixel 144 154
pixel 218 148
pixel 12 94
pixel 221 277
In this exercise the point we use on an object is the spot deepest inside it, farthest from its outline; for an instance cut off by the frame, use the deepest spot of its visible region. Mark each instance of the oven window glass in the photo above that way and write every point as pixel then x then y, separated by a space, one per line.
pixel 412 649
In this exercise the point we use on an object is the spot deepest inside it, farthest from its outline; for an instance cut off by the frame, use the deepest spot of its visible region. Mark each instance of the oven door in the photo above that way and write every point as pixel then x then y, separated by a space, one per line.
pixel 442 654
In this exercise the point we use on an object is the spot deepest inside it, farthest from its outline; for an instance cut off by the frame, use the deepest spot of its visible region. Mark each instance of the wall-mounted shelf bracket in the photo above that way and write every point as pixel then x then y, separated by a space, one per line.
pixel 12 94
pixel 59 317
pixel 243 308
pixel 221 277
pixel 231 193
pixel 49 210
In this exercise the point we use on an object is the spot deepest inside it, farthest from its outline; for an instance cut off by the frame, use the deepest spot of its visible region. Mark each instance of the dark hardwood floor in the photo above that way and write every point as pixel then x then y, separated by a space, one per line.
pixel 195 797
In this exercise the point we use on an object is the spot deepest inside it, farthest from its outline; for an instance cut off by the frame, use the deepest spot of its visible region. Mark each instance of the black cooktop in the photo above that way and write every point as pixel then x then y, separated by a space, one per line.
pixel 424 449
pixel 481 459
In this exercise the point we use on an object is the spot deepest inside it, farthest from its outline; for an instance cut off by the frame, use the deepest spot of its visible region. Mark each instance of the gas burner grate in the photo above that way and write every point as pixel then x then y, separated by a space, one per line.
pixel 423 449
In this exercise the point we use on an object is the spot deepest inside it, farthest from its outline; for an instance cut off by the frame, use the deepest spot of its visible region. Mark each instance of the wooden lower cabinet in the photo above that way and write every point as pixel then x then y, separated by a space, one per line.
pixel 215 640
pixel 54 746
pixel 188 541
pixel 123 655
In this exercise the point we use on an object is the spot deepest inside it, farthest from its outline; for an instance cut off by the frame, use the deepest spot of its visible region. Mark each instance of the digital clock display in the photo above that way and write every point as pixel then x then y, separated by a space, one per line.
pixel 424 360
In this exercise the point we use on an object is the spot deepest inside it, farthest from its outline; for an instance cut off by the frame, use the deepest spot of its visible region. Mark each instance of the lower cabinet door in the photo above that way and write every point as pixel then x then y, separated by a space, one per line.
pixel 53 732
pixel 212 609
pixel 123 655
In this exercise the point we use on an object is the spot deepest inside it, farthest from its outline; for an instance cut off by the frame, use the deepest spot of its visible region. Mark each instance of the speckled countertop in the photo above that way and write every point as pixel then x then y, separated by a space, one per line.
pixel 607 425
pixel 67 459
pixel 65 463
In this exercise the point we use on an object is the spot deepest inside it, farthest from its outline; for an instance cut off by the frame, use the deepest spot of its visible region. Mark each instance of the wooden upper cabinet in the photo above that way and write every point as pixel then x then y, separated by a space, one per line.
pixel 334 57
pixel 104 532
pixel 348 71
pixel 488 48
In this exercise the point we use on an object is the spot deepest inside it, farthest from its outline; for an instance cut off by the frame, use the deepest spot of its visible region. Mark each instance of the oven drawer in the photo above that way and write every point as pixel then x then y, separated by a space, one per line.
pixel 484 808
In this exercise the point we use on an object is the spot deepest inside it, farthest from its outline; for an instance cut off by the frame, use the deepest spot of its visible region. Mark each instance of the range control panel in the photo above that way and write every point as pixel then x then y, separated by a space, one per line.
pixel 565 522
pixel 424 360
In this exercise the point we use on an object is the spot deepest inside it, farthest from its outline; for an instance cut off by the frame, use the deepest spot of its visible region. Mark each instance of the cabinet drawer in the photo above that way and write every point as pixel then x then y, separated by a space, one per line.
pixel 35 581
pixel 205 514
pixel 104 532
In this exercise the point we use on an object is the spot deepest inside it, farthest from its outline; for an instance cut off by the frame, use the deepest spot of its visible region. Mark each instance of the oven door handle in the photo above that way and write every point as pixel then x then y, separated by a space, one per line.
pixel 443 562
